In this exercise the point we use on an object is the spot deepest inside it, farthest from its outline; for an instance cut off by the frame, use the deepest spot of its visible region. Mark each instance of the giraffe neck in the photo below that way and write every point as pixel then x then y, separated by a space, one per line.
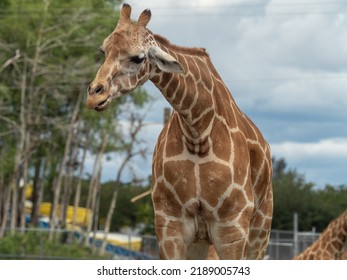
pixel 336 233
pixel 193 95
pixel 330 244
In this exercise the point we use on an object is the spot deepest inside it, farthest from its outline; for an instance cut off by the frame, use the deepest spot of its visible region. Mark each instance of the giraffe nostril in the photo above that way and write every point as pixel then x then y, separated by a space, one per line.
pixel 99 89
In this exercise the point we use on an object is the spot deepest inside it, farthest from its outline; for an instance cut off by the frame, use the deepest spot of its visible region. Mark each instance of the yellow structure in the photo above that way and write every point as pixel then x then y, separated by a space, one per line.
pixel 123 240
pixel 82 218
pixel 28 191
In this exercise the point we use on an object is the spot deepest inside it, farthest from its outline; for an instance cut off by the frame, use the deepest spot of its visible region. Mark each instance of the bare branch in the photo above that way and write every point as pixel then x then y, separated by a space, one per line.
pixel 11 122
pixel 56 41
pixel 10 60
pixel 141 195
pixel 7 132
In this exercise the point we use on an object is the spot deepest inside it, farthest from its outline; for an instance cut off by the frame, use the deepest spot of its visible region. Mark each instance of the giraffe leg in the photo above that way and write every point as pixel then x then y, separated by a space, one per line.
pixel 172 248
pixel 258 244
pixel 197 250
pixel 259 231
pixel 230 242
pixel 171 244
pixel 173 236
pixel 212 253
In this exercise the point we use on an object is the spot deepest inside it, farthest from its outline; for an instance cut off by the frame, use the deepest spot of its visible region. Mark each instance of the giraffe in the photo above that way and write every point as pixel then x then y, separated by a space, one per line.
pixel 331 243
pixel 211 167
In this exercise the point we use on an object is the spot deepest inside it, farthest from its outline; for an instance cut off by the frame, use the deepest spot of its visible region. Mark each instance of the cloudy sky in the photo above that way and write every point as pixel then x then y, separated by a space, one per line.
pixel 285 63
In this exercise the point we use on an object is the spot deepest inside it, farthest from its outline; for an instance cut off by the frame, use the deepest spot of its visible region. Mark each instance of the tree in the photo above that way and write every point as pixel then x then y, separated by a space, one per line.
pixel 316 207
pixel 332 202
pixel 291 194
pixel 67 151
pixel 131 150
pixel 138 215
pixel 50 41
pixel 48 56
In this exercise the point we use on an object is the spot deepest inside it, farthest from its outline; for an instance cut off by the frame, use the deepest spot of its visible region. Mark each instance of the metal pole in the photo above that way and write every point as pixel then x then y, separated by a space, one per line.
pixel 129 241
pixel 296 231
pixel 277 245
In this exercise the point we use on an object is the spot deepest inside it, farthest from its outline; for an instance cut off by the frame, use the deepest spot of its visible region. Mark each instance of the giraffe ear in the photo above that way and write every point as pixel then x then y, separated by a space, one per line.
pixel 144 18
pixel 124 16
pixel 165 61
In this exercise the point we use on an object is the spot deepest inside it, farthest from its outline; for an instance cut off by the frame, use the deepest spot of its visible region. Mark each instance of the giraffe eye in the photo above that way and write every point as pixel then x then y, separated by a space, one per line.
pixel 137 58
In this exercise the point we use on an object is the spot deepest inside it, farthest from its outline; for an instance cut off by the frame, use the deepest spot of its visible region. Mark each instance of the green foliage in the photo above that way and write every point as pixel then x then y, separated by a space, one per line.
pixel 140 97
pixel 4 4
pixel 316 207
pixel 127 214
pixel 58 43
pixel 332 201
pixel 36 245
pixel 145 215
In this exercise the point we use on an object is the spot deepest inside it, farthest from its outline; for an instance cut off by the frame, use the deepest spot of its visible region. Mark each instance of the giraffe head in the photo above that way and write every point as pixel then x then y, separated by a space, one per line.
pixel 131 57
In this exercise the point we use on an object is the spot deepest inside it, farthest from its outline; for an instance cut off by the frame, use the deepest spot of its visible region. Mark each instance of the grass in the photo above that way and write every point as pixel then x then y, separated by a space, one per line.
pixel 35 245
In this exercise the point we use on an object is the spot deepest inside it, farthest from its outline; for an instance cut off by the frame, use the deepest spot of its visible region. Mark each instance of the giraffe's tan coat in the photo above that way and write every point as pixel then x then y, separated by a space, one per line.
pixel 211 165
pixel 330 244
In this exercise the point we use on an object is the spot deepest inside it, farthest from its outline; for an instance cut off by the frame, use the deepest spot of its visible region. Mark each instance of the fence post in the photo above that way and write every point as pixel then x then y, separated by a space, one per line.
pixel 296 232
pixel 129 241
pixel 277 257
pixel 41 245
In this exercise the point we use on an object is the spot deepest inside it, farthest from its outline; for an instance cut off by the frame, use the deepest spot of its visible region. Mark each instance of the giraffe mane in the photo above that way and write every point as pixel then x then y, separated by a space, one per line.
pixel 184 50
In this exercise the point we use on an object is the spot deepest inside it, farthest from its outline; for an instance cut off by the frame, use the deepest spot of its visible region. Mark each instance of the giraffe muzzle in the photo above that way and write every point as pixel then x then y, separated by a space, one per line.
pixel 103 104
pixel 98 97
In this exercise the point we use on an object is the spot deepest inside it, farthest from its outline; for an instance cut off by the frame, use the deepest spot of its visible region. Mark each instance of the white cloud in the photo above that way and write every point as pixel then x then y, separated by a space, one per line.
pixel 284 62
pixel 322 162
pixel 335 148
pixel 323 98
pixel 275 57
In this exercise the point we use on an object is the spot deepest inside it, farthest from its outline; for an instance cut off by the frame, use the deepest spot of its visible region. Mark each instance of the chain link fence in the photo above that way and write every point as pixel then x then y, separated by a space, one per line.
pixel 283 244
pixel 127 246
pixel 32 242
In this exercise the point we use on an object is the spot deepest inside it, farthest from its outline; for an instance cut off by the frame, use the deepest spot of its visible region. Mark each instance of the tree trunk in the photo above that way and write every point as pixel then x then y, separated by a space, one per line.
pixel 21 150
pixel 78 189
pixel 14 204
pixel 66 196
pixel 2 194
pixel 68 182
pixel 97 208
pixel 57 187
pixel 26 116
pixel 5 193
pixel 22 219
pixel 5 211
pixel 113 203
pixel 93 185
pixel 38 190
pixel 136 126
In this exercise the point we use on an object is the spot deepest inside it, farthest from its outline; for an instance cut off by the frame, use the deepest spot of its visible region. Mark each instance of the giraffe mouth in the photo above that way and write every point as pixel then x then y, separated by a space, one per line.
pixel 103 104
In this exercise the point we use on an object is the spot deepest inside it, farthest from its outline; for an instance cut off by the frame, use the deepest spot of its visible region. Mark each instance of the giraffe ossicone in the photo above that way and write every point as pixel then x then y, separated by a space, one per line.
pixel 211 168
